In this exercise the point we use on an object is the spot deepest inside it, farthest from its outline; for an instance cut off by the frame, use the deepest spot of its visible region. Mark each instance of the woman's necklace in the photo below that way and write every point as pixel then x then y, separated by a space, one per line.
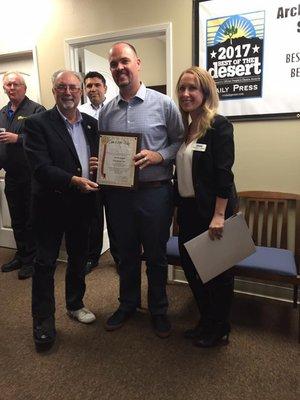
pixel 192 132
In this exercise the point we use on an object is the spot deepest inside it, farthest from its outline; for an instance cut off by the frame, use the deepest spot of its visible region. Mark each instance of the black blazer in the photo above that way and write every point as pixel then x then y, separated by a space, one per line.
pixel 211 169
pixel 51 153
pixel 12 157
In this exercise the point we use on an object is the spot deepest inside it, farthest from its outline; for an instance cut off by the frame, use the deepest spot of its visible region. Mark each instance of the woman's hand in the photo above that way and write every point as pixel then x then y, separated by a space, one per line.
pixel 216 227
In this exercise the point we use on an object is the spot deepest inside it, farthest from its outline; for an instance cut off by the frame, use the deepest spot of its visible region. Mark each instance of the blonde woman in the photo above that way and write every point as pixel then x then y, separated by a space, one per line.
pixel 205 197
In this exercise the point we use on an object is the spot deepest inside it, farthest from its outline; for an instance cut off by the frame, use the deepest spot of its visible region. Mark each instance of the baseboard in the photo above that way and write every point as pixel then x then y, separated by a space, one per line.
pixel 246 286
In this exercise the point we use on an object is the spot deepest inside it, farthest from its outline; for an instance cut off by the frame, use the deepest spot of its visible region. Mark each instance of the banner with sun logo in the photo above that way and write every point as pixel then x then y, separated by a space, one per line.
pixel 251 49
pixel 235 54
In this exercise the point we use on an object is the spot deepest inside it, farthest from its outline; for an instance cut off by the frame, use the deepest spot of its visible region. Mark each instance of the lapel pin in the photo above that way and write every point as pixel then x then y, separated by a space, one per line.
pixel 89 127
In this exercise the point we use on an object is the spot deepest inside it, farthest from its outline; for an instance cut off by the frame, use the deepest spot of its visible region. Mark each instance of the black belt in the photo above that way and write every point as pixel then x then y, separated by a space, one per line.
pixel 153 184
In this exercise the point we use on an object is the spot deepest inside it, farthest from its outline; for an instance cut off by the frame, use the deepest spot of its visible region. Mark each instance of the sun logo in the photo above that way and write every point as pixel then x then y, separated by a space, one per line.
pixel 234 27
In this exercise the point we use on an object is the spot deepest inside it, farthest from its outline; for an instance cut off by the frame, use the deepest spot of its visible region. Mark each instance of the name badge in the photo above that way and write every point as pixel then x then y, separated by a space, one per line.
pixel 199 147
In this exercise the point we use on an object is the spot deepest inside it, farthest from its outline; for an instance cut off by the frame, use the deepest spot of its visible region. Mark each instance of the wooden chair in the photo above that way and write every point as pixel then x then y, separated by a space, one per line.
pixel 273 219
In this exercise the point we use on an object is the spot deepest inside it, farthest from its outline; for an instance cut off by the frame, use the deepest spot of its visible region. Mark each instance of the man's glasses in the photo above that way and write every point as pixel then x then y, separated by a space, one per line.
pixel 12 84
pixel 63 88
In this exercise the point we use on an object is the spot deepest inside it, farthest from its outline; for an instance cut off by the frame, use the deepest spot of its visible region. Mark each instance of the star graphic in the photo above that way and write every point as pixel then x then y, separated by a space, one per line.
pixel 255 49
pixel 213 54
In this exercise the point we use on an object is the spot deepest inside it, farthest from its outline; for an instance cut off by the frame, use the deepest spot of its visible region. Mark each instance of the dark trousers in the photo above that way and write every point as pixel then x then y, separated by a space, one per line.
pixel 54 217
pixel 141 218
pixel 96 233
pixel 18 195
pixel 213 298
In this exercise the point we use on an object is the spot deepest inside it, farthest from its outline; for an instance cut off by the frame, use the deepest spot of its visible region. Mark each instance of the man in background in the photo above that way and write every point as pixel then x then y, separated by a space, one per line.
pixel 17 177
pixel 59 143
pixel 95 89
pixel 142 217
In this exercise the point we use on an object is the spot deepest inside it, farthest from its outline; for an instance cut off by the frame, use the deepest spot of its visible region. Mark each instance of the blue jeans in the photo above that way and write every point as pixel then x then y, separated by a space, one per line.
pixel 142 218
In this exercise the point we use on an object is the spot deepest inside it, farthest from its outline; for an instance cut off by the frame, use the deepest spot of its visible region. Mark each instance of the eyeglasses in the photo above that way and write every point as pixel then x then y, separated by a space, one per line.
pixel 13 84
pixel 63 88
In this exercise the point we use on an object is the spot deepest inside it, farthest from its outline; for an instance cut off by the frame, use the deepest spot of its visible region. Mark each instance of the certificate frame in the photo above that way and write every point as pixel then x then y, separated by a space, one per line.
pixel 115 159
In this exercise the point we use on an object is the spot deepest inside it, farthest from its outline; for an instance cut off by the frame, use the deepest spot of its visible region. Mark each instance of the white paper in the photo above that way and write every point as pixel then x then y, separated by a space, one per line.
pixel 212 257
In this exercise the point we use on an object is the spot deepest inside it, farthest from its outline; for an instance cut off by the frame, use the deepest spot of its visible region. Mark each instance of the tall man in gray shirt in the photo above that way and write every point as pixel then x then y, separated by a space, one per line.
pixel 142 217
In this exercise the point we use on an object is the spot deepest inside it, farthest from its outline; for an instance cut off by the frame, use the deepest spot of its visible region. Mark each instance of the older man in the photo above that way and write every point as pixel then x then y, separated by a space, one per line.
pixel 17 178
pixel 142 217
pixel 59 143
pixel 95 89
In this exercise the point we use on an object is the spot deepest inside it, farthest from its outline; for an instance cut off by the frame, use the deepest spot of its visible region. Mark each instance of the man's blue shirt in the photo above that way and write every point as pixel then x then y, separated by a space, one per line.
pixel 153 115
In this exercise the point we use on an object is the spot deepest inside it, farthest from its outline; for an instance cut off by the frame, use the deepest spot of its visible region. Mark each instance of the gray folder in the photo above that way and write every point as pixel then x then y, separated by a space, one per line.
pixel 212 257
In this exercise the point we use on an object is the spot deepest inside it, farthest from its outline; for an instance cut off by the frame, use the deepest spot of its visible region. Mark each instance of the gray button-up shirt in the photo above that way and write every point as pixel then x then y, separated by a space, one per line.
pixel 158 120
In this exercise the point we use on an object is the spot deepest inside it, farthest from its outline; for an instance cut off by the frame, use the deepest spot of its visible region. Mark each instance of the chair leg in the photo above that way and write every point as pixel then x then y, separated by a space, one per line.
pixel 295 296
pixel 299 327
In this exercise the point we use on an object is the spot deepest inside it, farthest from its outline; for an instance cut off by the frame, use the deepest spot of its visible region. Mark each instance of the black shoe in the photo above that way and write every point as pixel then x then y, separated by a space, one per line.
pixel 117 319
pixel 219 336
pixel 195 332
pixel 25 272
pixel 11 265
pixel 44 333
pixel 161 325
pixel 90 265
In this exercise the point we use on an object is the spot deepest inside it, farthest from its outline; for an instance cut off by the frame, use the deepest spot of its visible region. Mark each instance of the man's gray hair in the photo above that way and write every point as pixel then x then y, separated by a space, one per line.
pixel 19 74
pixel 60 71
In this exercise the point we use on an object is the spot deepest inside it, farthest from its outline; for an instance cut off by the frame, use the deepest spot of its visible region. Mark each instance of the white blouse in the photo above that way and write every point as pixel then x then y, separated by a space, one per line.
pixel 184 169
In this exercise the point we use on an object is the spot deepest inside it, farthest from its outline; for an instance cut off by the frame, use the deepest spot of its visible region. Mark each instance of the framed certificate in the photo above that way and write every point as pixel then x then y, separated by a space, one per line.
pixel 115 159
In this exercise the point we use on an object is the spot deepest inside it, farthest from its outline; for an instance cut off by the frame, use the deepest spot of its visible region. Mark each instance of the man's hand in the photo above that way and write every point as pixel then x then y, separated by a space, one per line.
pixel 84 184
pixel 8 137
pixel 93 164
pixel 147 157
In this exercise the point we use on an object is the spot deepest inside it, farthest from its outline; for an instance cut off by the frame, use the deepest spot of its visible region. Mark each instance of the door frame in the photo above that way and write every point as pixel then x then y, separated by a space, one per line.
pixel 151 31
pixel 27 52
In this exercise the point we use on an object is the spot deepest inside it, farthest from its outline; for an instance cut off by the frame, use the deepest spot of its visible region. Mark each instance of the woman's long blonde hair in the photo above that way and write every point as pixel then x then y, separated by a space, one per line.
pixel 210 102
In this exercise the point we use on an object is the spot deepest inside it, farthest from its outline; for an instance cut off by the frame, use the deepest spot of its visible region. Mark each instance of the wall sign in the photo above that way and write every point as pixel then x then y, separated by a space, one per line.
pixel 252 50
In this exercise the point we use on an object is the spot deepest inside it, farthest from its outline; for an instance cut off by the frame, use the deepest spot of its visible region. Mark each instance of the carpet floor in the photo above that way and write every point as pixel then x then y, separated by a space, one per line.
pixel 261 361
